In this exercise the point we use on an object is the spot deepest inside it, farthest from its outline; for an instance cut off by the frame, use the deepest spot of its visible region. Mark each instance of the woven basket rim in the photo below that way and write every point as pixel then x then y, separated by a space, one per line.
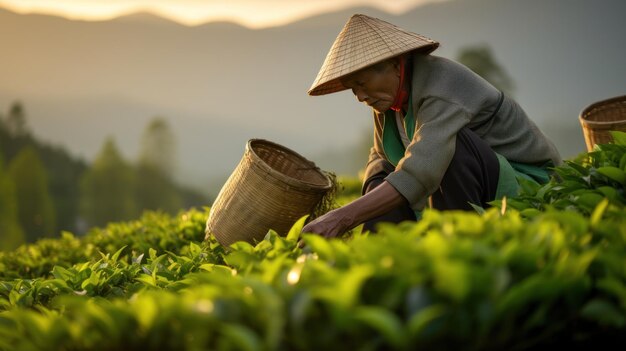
pixel 601 124
pixel 299 183
pixel 585 112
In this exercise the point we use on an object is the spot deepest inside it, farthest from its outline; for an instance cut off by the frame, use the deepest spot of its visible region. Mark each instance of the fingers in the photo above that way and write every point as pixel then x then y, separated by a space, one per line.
pixel 328 225
pixel 320 228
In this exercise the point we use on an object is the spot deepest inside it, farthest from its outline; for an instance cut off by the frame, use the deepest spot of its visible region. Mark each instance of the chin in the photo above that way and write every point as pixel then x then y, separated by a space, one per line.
pixel 381 109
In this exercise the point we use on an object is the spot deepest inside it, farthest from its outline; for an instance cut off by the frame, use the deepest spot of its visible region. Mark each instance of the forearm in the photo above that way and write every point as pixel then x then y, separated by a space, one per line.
pixel 377 202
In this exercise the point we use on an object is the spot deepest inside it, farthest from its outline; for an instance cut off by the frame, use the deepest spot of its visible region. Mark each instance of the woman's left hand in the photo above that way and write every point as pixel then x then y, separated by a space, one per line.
pixel 331 224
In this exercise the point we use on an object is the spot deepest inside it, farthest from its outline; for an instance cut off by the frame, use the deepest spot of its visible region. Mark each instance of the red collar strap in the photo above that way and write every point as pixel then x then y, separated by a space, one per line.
pixel 402 93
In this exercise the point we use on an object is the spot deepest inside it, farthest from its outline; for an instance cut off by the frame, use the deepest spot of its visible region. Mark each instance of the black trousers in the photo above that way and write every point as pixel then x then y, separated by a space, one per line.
pixel 472 177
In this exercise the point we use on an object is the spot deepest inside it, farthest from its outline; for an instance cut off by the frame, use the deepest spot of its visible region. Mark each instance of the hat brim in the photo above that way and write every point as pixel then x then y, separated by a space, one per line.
pixel 335 85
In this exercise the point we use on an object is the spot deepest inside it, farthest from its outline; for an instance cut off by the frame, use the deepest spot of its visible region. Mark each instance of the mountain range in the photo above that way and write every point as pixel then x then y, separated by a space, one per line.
pixel 221 84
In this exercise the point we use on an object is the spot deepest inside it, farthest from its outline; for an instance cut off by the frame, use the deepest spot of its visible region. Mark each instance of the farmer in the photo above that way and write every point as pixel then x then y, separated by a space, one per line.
pixel 443 136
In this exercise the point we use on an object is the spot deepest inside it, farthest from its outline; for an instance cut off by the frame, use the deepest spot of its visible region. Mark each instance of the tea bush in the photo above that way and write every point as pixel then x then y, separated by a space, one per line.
pixel 544 269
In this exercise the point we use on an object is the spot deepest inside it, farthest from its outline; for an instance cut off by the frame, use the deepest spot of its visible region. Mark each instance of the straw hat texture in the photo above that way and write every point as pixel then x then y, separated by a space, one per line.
pixel 364 41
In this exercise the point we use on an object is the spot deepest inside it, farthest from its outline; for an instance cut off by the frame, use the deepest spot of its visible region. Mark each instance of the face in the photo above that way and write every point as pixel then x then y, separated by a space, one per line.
pixel 375 86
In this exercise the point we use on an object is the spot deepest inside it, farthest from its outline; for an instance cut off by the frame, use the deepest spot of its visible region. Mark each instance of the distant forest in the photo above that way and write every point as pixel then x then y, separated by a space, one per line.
pixel 44 190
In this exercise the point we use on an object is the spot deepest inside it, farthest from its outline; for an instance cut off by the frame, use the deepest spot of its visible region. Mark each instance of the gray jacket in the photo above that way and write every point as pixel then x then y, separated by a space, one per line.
pixel 446 97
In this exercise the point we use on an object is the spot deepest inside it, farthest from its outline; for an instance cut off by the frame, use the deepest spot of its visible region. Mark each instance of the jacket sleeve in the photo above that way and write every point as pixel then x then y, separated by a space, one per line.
pixel 420 171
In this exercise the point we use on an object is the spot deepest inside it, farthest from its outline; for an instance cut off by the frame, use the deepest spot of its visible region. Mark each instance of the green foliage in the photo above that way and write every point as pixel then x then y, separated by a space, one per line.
pixel 35 209
pixel 158 147
pixel 62 169
pixel 580 185
pixel 155 188
pixel 16 119
pixel 452 280
pixel 504 279
pixel 152 230
pixel 349 190
pixel 107 188
pixel 155 191
pixel 11 234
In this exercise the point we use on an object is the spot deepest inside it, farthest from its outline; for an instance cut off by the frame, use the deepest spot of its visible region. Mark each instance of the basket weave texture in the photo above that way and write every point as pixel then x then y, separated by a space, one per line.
pixel 271 188
pixel 601 117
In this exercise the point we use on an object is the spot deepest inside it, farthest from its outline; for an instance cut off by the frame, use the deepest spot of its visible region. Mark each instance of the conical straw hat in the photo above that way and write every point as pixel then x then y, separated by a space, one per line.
pixel 364 41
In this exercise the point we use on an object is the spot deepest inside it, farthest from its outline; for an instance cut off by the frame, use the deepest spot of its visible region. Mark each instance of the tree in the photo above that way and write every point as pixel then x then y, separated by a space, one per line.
pixel 155 187
pixel 62 169
pixel 155 191
pixel 158 147
pixel 16 120
pixel 11 234
pixel 34 204
pixel 480 60
pixel 107 188
pixel 64 174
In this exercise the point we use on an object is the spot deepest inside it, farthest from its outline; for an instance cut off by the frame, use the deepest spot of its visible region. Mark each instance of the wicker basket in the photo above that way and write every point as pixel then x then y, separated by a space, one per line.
pixel 271 188
pixel 601 117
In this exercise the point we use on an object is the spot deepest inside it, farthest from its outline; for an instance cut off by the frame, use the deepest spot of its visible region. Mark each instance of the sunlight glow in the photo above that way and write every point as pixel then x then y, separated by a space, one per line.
pixel 293 277
pixel 204 306
pixel 251 13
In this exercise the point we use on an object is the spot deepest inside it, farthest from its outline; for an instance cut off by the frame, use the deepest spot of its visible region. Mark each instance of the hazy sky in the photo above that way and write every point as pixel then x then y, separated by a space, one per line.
pixel 252 13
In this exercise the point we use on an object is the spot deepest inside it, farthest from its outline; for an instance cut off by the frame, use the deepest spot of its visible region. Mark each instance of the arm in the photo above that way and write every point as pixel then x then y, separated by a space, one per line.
pixel 418 174
pixel 377 202
pixel 426 159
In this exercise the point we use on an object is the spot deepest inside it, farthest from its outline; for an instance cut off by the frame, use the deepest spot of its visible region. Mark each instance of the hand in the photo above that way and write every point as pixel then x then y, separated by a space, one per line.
pixel 330 225
pixel 375 203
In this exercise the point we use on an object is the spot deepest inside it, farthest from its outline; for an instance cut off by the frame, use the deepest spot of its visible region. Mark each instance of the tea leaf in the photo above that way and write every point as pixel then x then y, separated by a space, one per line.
pixel 296 229
pixel 619 138
pixel 383 321
pixel 613 173
pixel 242 337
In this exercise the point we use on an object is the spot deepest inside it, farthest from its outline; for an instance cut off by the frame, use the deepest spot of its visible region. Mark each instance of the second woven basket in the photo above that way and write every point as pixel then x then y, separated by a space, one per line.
pixel 601 117
pixel 271 188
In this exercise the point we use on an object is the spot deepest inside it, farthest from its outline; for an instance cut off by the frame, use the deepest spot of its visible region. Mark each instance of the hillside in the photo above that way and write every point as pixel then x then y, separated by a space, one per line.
pixel 220 84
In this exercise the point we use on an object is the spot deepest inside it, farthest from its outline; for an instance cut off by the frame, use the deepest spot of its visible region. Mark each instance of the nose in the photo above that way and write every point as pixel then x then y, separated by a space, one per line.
pixel 360 94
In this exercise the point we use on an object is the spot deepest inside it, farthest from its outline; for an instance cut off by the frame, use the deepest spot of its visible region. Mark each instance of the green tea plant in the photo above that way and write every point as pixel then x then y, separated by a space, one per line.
pixel 582 183
pixel 452 280
pixel 153 230
pixel 545 269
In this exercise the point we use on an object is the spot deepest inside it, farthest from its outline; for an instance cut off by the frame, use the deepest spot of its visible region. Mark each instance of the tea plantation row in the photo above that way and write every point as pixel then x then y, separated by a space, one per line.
pixel 545 269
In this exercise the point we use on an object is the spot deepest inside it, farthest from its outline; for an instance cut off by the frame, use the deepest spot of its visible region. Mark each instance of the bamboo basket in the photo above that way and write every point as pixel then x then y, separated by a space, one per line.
pixel 271 188
pixel 601 117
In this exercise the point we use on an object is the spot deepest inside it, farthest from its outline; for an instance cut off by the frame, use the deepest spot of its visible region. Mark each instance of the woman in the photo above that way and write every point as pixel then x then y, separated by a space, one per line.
pixel 442 134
